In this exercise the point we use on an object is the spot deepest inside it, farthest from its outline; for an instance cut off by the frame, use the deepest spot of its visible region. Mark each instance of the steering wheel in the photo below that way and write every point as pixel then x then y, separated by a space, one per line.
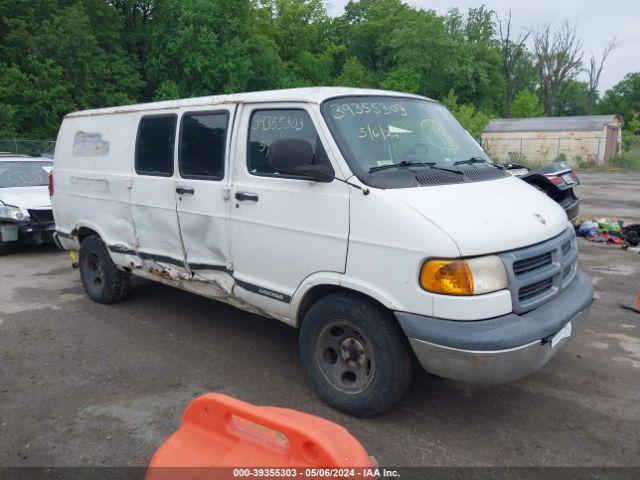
pixel 412 152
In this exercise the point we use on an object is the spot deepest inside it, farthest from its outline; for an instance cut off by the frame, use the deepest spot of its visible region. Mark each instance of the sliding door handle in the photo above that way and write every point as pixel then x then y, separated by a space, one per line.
pixel 185 190
pixel 253 197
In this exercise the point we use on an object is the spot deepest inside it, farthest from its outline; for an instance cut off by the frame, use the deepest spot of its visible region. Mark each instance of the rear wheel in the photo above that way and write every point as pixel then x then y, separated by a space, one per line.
pixel 102 280
pixel 355 354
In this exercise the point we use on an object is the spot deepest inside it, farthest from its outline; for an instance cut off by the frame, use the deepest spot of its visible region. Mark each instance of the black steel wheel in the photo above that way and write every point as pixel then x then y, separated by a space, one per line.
pixel 94 272
pixel 102 280
pixel 355 354
pixel 345 357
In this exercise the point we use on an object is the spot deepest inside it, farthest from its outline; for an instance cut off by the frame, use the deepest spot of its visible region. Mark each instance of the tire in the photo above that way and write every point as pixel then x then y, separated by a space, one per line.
pixel 102 280
pixel 4 248
pixel 355 354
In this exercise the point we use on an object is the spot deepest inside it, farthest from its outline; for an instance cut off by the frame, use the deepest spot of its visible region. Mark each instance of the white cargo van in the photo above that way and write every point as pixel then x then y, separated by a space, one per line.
pixel 368 219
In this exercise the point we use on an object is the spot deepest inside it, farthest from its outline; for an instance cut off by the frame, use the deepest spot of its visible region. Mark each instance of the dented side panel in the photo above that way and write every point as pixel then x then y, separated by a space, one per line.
pixel 203 210
pixel 154 231
pixel 153 201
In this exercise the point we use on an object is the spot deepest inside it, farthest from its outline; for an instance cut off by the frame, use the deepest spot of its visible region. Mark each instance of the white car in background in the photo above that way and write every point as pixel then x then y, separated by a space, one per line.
pixel 25 206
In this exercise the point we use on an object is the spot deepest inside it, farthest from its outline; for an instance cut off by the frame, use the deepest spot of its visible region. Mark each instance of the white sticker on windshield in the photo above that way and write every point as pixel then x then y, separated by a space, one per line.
pixel 393 129
pixel 382 163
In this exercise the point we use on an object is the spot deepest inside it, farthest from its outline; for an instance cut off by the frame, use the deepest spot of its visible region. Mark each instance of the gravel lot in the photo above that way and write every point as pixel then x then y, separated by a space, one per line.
pixel 607 194
pixel 85 384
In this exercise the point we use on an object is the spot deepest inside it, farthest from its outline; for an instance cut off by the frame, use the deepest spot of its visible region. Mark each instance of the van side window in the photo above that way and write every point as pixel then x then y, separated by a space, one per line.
pixel 154 145
pixel 269 125
pixel 202 145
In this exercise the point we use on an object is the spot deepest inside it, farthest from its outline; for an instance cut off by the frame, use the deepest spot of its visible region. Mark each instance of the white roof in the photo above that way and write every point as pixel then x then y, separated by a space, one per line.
pixel 309 95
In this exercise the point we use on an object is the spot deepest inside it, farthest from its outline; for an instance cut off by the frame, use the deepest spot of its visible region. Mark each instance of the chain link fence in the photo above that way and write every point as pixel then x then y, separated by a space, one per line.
pixel 44 148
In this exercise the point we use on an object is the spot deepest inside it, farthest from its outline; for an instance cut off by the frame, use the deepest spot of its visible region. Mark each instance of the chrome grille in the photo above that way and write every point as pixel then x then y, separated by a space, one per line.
pixel 538 273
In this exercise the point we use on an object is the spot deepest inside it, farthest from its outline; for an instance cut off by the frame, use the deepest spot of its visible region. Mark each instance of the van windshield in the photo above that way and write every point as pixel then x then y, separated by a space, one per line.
pixel 399 137
pixel 24 174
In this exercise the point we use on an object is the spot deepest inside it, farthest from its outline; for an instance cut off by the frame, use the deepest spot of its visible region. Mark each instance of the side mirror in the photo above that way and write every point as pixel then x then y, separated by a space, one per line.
pixel 293 156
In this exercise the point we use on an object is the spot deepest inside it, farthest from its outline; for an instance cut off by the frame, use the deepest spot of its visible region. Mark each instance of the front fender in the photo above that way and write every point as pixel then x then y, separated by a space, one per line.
pixel 339 280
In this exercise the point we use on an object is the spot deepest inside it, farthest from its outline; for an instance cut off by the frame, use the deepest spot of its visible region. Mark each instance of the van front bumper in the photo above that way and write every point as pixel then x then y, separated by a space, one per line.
pixel 500 349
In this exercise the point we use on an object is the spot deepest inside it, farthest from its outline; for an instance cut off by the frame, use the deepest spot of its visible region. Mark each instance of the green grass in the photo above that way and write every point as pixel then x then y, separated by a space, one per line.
pixel 626 161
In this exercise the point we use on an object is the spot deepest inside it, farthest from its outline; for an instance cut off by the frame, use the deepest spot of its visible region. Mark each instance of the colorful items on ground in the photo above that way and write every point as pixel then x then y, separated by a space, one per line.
pixel 609 230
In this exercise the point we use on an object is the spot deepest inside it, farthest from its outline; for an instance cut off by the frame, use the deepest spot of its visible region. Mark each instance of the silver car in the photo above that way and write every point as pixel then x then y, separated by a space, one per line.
pixel 25 207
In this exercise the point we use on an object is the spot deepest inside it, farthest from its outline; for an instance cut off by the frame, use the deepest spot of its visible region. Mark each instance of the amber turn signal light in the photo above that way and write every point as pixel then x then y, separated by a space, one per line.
pixel 451 277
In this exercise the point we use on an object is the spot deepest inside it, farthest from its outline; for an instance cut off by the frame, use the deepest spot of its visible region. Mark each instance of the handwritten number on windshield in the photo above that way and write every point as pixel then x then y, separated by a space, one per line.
pixel 375 132
pixel 282 122
pixel 343 110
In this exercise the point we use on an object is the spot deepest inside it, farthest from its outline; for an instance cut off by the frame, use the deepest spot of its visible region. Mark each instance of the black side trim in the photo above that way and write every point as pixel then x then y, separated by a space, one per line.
pixel 121 249
pixel 204 266
pixel 265 292
pixel 165 259
pixel 161 258
pixel 146 256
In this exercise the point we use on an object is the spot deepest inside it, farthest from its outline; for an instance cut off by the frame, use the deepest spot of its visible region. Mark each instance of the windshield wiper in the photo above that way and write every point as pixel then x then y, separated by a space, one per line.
pixel 404 163
pixel 432 166
pixel 472 160
pixel 407 163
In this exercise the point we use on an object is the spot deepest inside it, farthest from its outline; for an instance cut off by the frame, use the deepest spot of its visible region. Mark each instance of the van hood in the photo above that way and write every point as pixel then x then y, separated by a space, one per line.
pixel 36 198
pixel 488 217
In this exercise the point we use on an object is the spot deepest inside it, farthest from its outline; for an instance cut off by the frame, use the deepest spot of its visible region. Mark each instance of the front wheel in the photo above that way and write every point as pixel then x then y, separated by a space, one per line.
pixel 355 354
pixel 102 280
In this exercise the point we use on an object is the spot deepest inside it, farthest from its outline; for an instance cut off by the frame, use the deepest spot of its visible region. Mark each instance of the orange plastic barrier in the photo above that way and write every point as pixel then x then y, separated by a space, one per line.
pixel 220 431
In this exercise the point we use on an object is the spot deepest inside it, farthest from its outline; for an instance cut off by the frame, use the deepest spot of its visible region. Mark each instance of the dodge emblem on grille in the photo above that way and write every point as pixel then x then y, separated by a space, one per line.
pixel 540 218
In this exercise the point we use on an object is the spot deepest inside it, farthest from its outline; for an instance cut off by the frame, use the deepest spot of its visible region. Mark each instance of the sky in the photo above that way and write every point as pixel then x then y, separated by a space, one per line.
pixel 598 22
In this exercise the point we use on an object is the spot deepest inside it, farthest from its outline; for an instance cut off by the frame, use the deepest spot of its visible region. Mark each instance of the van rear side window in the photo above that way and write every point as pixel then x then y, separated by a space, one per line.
pixel 202 145
pixel 154 145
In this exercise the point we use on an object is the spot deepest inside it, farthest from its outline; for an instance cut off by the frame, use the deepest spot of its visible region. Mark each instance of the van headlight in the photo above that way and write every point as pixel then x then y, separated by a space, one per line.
pixel 8 212
pixel 473 276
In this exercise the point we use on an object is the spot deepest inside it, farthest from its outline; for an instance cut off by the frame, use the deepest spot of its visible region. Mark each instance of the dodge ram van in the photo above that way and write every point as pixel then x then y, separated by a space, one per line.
pixel 370 220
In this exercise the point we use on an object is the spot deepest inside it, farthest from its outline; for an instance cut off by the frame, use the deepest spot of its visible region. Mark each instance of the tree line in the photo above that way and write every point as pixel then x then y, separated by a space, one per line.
pixel 57 56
